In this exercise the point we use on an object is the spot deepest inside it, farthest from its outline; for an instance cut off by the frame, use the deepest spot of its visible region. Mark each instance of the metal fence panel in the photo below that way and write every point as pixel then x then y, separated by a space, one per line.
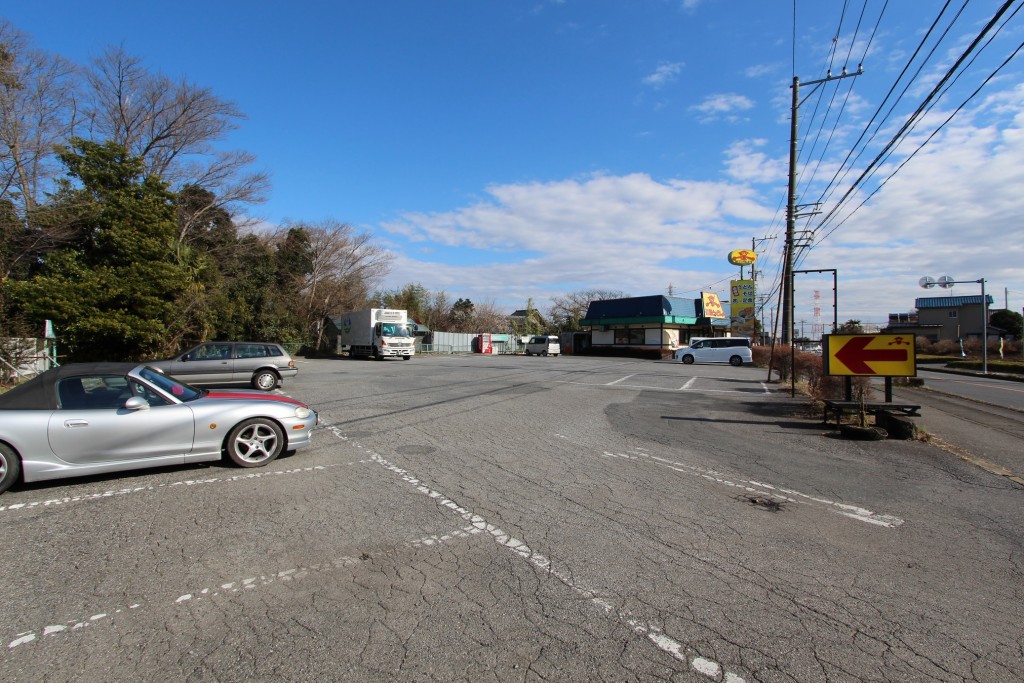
pixel 450 342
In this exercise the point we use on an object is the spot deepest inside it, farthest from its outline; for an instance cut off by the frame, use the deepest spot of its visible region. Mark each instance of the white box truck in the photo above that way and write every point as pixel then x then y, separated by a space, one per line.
pixel 376 333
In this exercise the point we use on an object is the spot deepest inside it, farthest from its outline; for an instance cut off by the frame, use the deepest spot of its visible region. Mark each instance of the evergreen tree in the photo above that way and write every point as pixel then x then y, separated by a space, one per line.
pixel 114 293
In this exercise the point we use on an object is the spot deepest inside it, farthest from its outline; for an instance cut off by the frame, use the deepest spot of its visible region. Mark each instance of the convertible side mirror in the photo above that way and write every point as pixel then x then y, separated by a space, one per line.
pixel 136 403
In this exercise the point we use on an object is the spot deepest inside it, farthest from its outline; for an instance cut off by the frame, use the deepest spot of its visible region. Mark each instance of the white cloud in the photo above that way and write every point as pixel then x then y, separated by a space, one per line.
pixel 663 75
pixel 954 209
pixel 723 106
pixel 746 163
pixel 760 70
pixel 630 232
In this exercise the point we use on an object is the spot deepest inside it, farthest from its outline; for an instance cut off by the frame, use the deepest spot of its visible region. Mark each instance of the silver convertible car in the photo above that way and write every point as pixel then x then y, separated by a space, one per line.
pixel 91 418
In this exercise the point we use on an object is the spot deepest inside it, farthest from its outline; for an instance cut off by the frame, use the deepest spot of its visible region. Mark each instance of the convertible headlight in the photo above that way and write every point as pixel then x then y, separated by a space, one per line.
pixel 302 413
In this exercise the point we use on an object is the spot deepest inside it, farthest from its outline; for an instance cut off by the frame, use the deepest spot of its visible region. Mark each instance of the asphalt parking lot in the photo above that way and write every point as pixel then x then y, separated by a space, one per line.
pixel 511 518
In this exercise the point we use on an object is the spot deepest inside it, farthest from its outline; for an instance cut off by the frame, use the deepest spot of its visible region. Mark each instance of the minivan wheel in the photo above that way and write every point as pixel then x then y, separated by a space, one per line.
pixel 264 380
pixel 688 359
pixel 735 361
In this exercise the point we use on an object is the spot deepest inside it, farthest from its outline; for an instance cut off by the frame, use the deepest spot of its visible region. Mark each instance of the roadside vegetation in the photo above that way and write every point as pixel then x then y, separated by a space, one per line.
pixel 949 354
pixel 124 222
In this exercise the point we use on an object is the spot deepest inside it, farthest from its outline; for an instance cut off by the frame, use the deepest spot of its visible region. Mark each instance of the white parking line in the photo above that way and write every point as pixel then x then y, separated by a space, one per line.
pixel 684 653
pixel 783 494
pixel 43 635
pixel 55 502
pixel 857 512
pixel 646 387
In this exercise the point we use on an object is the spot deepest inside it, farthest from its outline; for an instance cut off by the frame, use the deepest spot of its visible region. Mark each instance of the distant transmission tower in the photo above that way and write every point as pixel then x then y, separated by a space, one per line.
pixel 817 329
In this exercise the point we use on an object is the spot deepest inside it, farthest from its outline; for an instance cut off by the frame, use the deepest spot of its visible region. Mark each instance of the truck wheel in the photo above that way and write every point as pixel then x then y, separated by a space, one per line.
pixel 406 357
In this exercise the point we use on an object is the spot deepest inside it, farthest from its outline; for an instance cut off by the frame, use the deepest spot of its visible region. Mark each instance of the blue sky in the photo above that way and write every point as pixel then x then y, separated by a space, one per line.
pixel 507 150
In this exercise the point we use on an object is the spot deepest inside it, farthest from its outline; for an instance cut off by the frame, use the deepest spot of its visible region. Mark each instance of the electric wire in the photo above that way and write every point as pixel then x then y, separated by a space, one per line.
pixel 848 164
pixel 928 139
pixel 849 92
pixel 915 117
pixel 878 119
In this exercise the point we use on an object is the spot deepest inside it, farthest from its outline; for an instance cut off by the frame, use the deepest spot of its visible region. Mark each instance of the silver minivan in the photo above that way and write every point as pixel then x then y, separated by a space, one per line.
pixel 732 350
pixel 543 345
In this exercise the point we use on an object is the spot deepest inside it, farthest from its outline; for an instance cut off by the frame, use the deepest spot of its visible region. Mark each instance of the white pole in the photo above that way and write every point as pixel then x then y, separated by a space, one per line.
pixel 984 329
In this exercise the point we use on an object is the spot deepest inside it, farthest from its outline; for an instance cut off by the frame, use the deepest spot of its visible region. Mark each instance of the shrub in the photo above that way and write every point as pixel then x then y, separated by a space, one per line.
pixel 946 347
pixel 810 373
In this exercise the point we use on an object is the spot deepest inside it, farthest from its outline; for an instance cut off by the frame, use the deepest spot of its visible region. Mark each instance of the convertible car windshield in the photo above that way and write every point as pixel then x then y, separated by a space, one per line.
pixel 179 390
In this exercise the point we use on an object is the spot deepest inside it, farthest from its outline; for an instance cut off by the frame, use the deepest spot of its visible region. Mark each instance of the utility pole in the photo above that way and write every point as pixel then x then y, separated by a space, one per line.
pixel 791 207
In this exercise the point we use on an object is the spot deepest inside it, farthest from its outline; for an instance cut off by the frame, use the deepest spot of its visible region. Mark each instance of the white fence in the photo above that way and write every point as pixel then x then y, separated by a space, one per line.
pixel 24 358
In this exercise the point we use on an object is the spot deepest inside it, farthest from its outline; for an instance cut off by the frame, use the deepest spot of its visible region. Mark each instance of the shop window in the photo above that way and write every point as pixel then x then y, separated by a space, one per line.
pixel 631 337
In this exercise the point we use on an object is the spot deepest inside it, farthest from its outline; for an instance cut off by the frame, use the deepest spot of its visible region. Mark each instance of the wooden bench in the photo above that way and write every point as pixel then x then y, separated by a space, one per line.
pixel 837 408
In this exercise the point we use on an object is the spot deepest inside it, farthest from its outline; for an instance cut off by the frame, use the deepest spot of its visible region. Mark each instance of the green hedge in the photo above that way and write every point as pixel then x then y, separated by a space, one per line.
pixel 1007 366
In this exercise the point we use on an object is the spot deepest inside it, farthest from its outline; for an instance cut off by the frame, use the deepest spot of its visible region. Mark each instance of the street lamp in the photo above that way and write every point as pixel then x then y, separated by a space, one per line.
pixel 946 282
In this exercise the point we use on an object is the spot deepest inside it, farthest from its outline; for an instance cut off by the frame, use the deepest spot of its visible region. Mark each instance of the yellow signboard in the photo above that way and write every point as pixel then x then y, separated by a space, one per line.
pixel 878 355
pixel 742 257
pixel 712 305
pixel 742 307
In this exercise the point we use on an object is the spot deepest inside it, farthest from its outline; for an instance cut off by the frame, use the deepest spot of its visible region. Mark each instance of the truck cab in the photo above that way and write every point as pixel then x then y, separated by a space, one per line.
pixel 393 339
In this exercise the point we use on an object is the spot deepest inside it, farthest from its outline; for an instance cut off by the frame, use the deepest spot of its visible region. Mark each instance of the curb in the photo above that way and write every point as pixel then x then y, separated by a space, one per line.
pixel 1009 377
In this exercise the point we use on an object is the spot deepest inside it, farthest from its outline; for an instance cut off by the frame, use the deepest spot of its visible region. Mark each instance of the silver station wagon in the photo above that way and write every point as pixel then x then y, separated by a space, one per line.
pixel 261 365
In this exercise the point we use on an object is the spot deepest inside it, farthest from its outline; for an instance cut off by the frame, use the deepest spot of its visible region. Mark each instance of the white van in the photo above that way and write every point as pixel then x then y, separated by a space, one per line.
pixel 541 345
pixel 732 350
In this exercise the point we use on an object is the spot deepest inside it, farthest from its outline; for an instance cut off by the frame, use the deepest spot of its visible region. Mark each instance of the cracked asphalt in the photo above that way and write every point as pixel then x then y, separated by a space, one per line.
pixel 477 518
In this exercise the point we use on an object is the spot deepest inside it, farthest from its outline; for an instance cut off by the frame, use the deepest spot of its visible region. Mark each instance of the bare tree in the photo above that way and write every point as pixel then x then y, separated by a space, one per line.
pixel 488 317
pixel 437 311
pixel 566 311
pixel 37 104
pixel 172 126
pixel 343 268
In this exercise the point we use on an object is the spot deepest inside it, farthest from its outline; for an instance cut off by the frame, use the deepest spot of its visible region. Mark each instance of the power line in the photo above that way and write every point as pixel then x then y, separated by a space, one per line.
pixel 928 139
pixel 916 115
pixel 847 164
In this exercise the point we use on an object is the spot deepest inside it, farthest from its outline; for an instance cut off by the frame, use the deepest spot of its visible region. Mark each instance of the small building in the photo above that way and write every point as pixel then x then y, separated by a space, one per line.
pixel 941 318
pixel 648 323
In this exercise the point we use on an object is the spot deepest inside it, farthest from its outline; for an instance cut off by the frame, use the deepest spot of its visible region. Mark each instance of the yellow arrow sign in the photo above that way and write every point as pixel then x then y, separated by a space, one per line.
pixel 879 355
